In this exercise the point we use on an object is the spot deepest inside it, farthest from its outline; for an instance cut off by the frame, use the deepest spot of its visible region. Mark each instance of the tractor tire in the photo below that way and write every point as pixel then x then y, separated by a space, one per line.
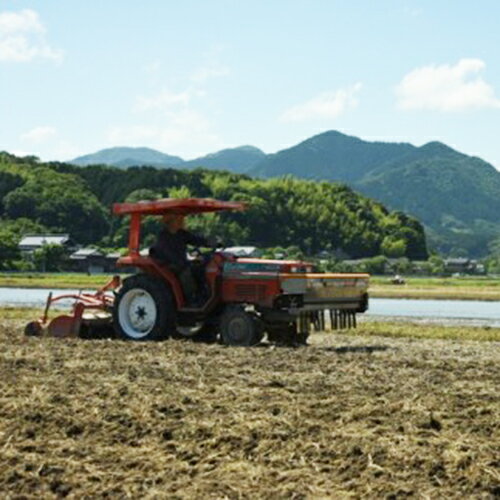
pixel 240 328
pixel 144 309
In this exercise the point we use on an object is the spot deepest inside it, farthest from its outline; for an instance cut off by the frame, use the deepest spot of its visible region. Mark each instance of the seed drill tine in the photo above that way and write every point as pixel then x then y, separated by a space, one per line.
pixel 322 320
pixel 317 321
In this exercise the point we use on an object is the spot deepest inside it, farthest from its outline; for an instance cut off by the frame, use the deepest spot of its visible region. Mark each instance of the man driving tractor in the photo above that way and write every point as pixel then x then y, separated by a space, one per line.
pixel 246 298
pixel 170 248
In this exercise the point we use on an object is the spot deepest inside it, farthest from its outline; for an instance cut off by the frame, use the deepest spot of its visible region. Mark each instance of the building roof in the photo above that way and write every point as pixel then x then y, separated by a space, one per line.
pixel 38 240
pixel 113 255
pixel 83 253
pixel 461 261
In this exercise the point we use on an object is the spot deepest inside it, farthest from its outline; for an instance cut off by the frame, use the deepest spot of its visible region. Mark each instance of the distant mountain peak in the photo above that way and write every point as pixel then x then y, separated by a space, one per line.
pixel 437 147
pixel 126 156
pixel 239 159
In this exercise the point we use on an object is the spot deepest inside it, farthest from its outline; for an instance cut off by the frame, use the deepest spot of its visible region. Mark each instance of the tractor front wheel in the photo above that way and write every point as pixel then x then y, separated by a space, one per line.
pixel 143 309
pixel 240 328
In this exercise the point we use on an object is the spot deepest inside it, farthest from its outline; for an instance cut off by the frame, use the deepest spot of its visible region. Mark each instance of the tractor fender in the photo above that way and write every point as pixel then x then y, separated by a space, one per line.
pixel 170 280
pixel 150 266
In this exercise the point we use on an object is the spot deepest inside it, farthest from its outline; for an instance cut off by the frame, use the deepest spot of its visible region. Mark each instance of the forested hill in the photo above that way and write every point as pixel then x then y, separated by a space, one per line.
pixel 456 196
pixel 314 216
pixel 240 159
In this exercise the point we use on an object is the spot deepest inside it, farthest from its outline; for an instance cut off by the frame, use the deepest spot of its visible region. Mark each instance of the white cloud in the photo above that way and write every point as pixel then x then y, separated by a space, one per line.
pixel 179 133
pixel 177 120
pixel 25 21
pixel 152 67
pixel 326 105
pixel 39 135
pixel 211 70
pixel 136 135
pixel 22 38
pixel 46 143
pixel 65 150
pixel 447 88
pixel 164 100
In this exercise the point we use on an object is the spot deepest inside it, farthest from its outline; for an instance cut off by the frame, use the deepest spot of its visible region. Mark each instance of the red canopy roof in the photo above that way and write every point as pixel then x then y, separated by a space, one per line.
pixel 183 206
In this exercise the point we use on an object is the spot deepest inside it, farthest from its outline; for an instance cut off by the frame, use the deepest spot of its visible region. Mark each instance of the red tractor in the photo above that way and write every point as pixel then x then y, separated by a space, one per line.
pixel 247 298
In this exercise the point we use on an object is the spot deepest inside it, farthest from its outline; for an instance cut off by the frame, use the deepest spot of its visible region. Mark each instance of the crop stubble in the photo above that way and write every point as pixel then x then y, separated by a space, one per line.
pixel 361 416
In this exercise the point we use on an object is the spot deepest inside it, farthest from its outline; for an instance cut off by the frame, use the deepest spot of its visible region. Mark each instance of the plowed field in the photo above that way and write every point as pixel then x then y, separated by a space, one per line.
pixel 361 416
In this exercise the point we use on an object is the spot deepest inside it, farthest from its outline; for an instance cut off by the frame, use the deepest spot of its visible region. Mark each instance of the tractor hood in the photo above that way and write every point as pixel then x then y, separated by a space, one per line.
pixel 268 266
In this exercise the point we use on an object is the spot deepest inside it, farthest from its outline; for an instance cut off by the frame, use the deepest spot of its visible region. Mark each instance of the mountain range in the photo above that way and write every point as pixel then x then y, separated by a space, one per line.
pixel 238 160
pixel 456 196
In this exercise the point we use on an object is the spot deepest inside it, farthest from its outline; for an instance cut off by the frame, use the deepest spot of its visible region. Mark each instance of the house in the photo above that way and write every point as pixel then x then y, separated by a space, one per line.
pixel 88 260
pixel 420 267
pixel 31 242
pixel 460 265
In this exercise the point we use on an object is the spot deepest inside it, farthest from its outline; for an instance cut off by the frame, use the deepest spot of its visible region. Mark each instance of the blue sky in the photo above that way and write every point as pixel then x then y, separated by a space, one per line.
pixel 193 77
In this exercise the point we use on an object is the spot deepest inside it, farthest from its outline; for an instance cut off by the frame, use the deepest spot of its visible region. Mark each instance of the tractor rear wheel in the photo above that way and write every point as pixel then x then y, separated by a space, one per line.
pixel 240 328
pixel 144 309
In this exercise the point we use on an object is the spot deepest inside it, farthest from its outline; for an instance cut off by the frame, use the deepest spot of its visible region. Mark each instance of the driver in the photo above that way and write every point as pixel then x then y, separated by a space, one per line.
pixel 171 249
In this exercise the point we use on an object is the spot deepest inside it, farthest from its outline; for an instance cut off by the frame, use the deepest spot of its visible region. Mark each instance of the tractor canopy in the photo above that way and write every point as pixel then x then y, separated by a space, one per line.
pixel 182 206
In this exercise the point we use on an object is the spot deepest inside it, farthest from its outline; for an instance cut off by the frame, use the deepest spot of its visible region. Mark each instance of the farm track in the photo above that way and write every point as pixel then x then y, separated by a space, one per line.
pixel 347 416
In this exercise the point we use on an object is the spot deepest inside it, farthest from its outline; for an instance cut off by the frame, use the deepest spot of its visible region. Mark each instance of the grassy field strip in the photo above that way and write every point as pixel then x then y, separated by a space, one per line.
pixel 467 282
pixel 54 280
pixel 400 329
pixel 437 288
pixel 435 292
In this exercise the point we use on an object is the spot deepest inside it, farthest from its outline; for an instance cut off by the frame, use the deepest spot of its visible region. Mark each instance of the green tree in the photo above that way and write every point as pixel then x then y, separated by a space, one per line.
pixel 9 250
pixel 375 265
pixel 50 258
pixel 61 202
pixel 392 247
pixel 436 265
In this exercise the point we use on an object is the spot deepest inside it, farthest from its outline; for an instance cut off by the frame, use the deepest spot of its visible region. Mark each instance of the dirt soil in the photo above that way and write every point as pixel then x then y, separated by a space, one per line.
pixel 348 416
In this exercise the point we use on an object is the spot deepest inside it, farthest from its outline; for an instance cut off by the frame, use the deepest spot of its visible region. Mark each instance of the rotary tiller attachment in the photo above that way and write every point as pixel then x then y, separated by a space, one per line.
pixel 91 313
